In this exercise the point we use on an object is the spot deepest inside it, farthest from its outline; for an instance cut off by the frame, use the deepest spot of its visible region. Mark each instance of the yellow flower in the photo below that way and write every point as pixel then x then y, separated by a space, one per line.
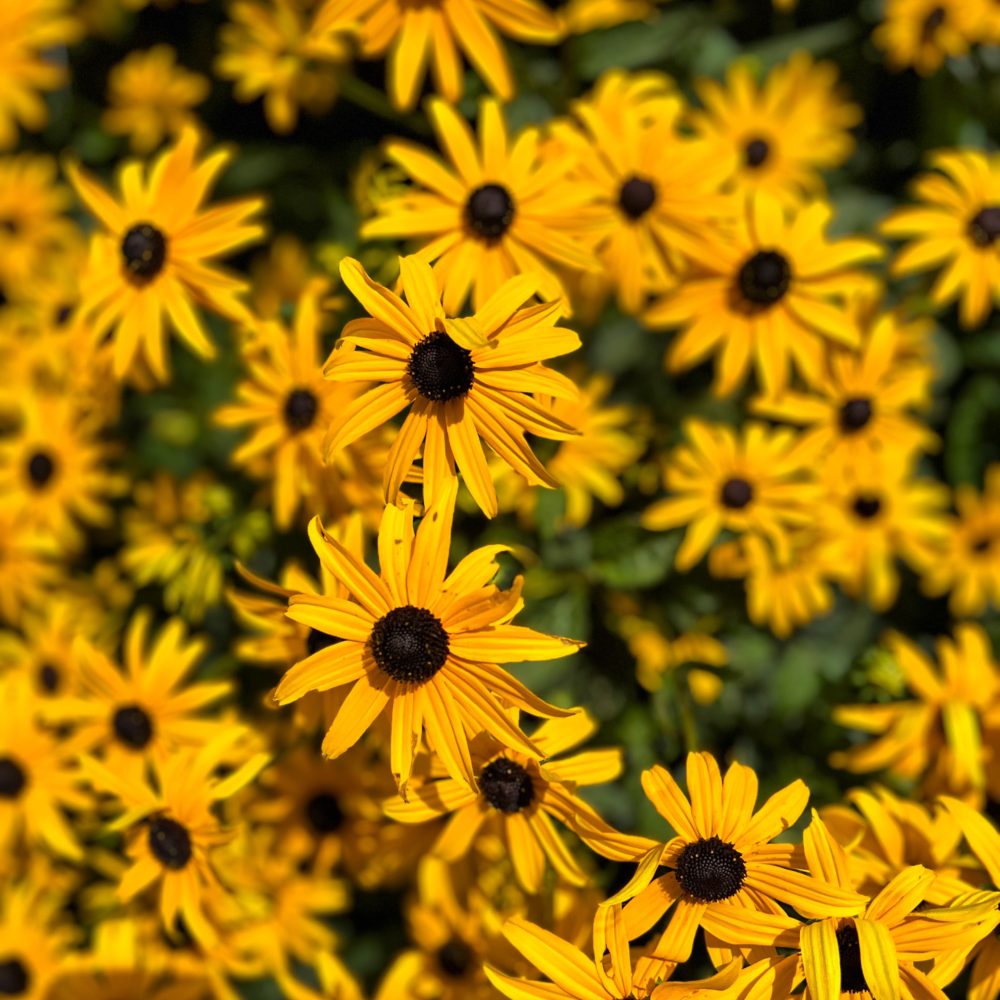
pixel 779 134
pixel 721 862
pixel 173 829
pixel 271 51
pixel 923 33
pixel 968 567
pixel 289 406
pixel 955 228
pixel 279 275
pixel 435 33
pixel 756 481
pixel 155 260
pixel 520 796
pixel 504 209
pixel 27 29
pixel 462 379
pixel 770 293
pixel 419 642
pixel 150 98
pixel 935 738
pixel 654 187
pixel 28 565
pixel 582 16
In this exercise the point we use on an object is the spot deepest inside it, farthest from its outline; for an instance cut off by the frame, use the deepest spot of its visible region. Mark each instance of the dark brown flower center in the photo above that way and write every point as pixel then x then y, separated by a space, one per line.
pixel 506 785
pixel 441 369
pixel 932 22
pixel 409 644
pixel 49 678
pixel 710 870
pixel 133 726
pixel 12 778
pixel 144 249
pixel 855 414
pixel 867 506
pixel 636 197
pixel 41 468
pixel 301 408
pixel 852 976
pixel 63 314
pixel 169 842
pixel 324 813
pixel 455 958
pixel 980 546
pixel 764 278
pixel 319 640
pixel 490 211
pixel 736 493
pixel 14 978
pixel 755 152
pixel 984 226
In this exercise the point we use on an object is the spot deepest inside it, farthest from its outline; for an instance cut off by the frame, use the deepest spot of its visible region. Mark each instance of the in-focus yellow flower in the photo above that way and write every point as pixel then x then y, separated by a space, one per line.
pixel 493 212
pixel 655 188
pixel 270 50
pixel 464 381
pixel 935 737
pixel 420 642
pixel 27 29
pixel 440 34
pixel 519 797
pixel 151 98
pixel 154 263
pixel 968 567
pixel 778 135
pixel 752 481
pixel 722 858
pixel 173 828
pixel 956 229
pixel 767 294
pixel 924 33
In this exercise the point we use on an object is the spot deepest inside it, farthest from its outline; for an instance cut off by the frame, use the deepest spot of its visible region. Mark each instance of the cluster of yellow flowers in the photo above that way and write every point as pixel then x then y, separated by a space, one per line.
pixel 170 828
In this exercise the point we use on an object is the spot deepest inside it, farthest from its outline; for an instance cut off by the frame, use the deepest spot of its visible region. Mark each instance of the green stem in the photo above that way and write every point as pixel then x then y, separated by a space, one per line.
pixel 364 95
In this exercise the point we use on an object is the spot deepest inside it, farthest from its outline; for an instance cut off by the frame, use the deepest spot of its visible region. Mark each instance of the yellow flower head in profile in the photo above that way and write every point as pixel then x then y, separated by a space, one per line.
pixel 420 642
pixel 463 381
pixel 922 34
pixel 937 736
pixel 150 98
pixel 504 208
pixel 154 263
pixel 955 229
pixel 770 293
pixel 654 186
pixel 780 133
pixel 27 29
pixel 269 50
pixel 440 34
pixel 752 481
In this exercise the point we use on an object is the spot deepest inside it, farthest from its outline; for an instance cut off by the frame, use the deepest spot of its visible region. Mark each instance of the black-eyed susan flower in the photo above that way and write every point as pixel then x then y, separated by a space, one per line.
pixel 752 481
pixel 872 514
pixel 463 381
pixel 288 405
pixel 863 401
pixel 154 264
pixel 419 642
pixel 151 97
pixel 28 564
pixel 922 34
pixel 270 50
pixel 583 16
pixel 279 275
pixel 146 709
pixel 654 187
pixel 767 294
pixel 722 857
pixel 439 35
pixel 504 207
pixel 936 736
pixel 968 566
pixel 39 777
pixel 56 471
pixel 779 134
pixel 519 796
pixel 27 29
pixel 955 230
pixel 173 828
